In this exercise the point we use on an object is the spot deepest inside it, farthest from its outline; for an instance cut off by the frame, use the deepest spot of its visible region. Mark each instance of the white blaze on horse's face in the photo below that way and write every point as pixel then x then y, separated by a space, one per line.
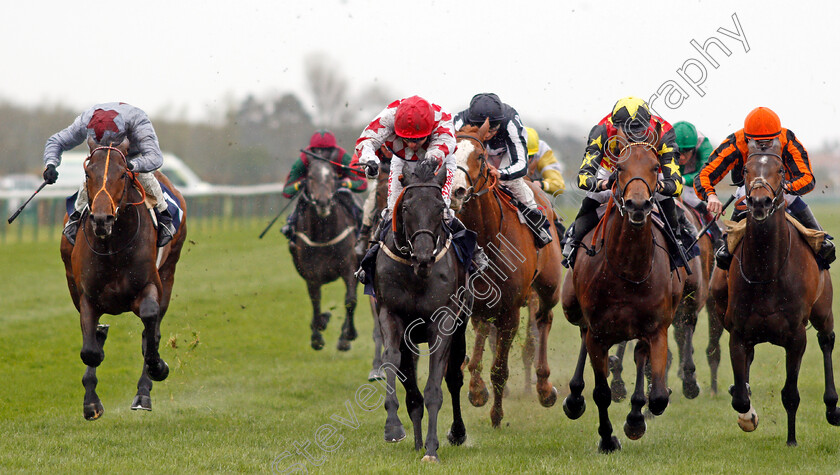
pixel 460 184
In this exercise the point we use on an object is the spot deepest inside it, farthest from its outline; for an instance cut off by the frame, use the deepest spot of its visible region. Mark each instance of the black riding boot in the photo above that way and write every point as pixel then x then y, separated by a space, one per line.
pixel 586 219
pixel 479 256
pixel 363 241
pixel 669 210
pixel 165 228
pixel 72 227
pixel 722 256
pixel 288 229
pixel 807 218
pixel 536 221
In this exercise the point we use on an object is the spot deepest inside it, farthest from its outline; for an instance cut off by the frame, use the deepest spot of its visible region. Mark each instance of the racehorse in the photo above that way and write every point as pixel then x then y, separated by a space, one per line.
pixel 381 201
pixel 417 273
pixel 516 266
pixel 323 252
pixel 625 290
pixel 695 295
pixel 112 268
pixel 772 291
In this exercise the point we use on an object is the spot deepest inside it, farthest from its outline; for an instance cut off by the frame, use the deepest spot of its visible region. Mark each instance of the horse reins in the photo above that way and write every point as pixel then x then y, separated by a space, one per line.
pixel 407 249
pixel 485 187
pixel 761 182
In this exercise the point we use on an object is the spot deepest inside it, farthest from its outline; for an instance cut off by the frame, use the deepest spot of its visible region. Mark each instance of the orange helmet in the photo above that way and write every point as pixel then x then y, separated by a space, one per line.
pixel 762 124
pixel 414 119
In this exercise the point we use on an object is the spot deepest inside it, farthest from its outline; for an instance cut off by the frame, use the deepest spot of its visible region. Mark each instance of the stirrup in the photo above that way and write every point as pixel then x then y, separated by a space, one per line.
pixel 480 259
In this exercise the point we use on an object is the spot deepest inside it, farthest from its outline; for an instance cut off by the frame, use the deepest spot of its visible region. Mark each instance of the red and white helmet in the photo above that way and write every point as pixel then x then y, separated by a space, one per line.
pixel 415 118
pixel 322 139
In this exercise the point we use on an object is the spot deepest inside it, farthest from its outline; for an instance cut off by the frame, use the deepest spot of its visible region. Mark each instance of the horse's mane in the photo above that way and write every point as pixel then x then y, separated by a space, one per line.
pixel 425 171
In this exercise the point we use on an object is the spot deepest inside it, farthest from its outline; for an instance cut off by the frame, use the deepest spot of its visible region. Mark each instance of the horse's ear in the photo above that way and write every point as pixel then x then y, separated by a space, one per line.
pixel 123 146
pixel 657 137
pixel 91 143
pixel 403 179
pixel 485 127
pixel 440 177
pixel 752 147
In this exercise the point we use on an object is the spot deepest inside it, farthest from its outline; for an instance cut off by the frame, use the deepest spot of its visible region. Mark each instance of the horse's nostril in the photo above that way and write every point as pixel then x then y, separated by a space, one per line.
pixel 459 192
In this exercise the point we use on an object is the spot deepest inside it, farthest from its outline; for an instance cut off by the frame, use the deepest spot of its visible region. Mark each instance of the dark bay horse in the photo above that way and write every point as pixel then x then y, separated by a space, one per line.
pixel 625 291
pixel 695 296
pixel 516 266
pixel 417 274
pixel 323 252
pixel 772 291
pixel 112 268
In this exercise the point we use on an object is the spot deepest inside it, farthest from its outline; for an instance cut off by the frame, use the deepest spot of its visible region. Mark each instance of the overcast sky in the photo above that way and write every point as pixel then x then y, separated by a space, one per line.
pixel 556 62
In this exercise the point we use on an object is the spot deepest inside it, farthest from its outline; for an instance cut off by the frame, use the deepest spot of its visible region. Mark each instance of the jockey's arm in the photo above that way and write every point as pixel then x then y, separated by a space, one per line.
pixel 143 136
pixel 795 157
pixel 517 150
pixel 350 180
pixel 64 140
pixel 672 182
pixel 296 176
pixel 721 162
pixel 592 156
pixel 548 168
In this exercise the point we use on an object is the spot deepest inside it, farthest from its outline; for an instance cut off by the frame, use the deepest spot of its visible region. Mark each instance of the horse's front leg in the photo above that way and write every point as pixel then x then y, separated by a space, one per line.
pixel 545 390
pixel 601 394
pixel 348 330
pixel 532 335
pixel 478 394
pixel 392 333
pixel 659 393
pixel 147 307
pixel 740 391
pixel 432 394
pixel 454 381
pixel 575 404
pixel 499 371
pixel 790 391
pixel 635 425
pixel 376 368
pixel 618 391
pixel 715 309
pixel 684 334
pixel 93 341
pixel 319 320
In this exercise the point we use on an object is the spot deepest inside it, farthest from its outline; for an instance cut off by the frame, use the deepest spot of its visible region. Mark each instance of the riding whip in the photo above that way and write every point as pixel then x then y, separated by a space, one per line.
pixel 280 213
pixel 339 165
pixel 27 202
pixel 709 224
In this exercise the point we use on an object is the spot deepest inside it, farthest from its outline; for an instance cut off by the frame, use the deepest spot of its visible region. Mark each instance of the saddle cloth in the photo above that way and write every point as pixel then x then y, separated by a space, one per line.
pixel 735 232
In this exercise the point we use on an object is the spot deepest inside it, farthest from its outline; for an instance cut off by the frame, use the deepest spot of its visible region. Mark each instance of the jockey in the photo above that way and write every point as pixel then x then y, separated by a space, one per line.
pixel 633 116
pixel 543 167
pixel 695 149
pixel 506 148
pixel 321 143
pixel 763 127
pixel 411 129
pixel 111 123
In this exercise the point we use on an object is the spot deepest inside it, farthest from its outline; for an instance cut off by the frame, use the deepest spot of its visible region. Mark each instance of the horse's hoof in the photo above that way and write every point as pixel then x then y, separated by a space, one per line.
pixel 634 427
pixel 343 345
pixel 141 402
pixel 574 406
pixel 691 389
pixel 833 416
pixel 160 373
pixel 549 400
pixel 456 439
pixel 496 416
pixel 376 375
pixel 350 335
pixel 317 342
pixel 748 421
pixel 430 459
pixel 322 320
pixel 792 443
pixel 394 434
pixel 93 411
pixel 609 446
pixel 479 399
pixel 617 390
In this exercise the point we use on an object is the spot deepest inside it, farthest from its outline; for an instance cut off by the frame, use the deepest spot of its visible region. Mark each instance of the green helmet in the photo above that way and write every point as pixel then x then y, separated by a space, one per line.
pixel 686 135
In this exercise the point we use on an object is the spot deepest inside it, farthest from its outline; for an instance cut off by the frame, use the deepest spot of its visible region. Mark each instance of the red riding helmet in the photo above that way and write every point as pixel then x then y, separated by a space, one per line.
pixel 415 118
pixel 322 139
pixel 762 124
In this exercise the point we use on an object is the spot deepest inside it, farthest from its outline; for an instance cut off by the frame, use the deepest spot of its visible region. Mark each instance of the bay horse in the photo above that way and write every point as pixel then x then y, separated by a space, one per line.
pixel 516 266
pixel 625 291
pixel 323 252
pixel 772 291
pixel 113 268
pixel 417 274
pixel 695 296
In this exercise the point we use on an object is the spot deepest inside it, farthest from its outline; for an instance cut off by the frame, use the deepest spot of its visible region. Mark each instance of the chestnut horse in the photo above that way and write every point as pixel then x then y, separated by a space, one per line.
pixel 771 293
pixel 326 234
pixel 695 296
pixel 516 265
pixel 625 291
pixel 112 268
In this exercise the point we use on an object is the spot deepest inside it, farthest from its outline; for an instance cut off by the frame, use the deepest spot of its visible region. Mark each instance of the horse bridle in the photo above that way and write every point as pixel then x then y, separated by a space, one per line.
pixel 131 178
pixel 760 182
pixel 471 191
pixel 618 196
pixel 408 248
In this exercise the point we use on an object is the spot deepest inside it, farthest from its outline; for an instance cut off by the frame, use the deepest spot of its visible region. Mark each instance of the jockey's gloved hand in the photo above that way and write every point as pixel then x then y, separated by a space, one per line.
pixel 372 169
pixel 130 166
pixel 786 185
pixel 50 174
pixel 345 183
pixel 611 180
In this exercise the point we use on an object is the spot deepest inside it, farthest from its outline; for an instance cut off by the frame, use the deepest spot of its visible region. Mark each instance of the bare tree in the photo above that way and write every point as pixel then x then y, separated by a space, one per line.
pixel 329 91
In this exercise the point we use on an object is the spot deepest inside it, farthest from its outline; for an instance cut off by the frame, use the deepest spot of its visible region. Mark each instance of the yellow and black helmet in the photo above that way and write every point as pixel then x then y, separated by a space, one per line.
pixel 631 114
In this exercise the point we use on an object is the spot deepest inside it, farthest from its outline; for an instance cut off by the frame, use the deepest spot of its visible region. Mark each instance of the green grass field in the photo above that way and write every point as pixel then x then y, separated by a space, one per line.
pixel 245 387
